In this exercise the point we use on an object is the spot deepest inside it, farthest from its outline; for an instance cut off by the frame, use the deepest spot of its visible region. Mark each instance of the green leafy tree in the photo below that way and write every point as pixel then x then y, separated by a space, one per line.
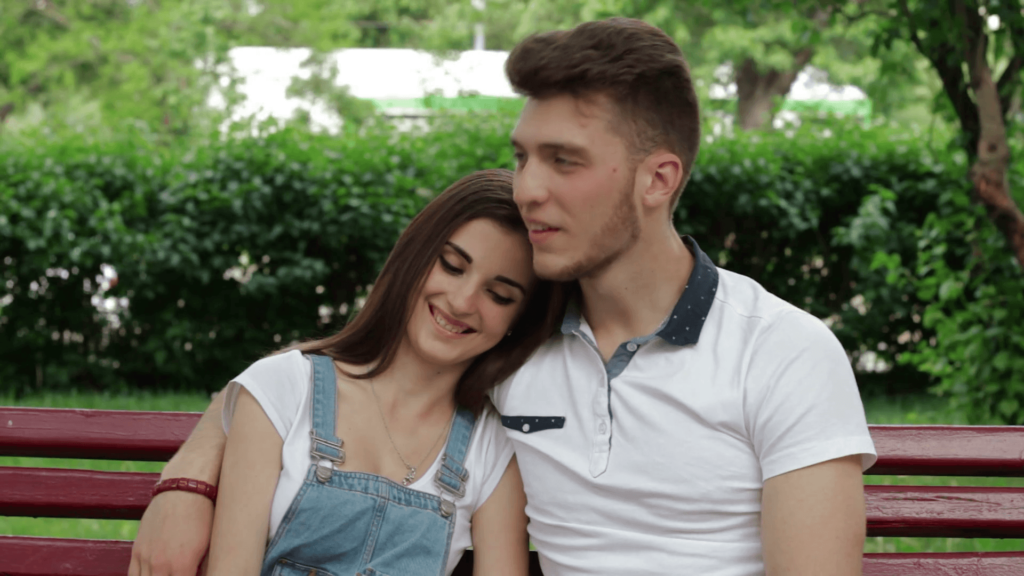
pixel 976 49
pixel 322 87
pixel 139 60
pixel 764 44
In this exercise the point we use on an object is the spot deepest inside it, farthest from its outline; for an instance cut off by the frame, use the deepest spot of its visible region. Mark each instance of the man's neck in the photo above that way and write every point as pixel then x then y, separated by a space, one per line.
pixel 632 296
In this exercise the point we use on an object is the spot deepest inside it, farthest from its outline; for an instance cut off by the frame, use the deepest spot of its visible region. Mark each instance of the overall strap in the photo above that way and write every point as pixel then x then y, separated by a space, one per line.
pixel 452 475
pixel 323 409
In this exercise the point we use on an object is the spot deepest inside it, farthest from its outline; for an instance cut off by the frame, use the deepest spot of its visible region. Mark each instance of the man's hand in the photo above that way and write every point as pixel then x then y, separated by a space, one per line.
pixel 174 533
pixel 173 536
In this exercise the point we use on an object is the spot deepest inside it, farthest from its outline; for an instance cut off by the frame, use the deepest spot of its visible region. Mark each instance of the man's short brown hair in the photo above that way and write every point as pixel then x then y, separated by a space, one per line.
pixel 636 65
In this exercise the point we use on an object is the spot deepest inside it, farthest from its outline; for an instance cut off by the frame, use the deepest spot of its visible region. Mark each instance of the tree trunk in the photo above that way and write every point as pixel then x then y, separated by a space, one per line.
pixel 757 90
pixel 989 174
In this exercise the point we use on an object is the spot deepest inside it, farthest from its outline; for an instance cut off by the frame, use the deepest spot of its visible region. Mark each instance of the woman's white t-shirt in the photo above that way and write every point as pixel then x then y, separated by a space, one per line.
pixel 281 385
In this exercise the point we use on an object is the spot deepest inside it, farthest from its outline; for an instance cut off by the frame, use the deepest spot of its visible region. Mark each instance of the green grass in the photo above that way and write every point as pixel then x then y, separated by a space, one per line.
pixel 880 410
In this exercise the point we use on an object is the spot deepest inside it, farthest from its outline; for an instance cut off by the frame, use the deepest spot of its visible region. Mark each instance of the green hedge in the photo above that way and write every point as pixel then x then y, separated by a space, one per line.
pixel 310 219
pixel 314 215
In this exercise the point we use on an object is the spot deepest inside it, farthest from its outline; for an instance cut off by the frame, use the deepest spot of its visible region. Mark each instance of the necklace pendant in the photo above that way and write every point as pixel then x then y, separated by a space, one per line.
pixel 410 476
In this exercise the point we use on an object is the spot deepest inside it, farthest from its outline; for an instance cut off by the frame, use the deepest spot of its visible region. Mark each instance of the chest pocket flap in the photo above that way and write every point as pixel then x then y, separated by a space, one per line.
pixel 530 424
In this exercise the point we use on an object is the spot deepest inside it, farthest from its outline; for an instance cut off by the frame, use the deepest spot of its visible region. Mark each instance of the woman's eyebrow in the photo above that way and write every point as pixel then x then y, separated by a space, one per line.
pixel 469 260
pixel 465 255
pixel 510 282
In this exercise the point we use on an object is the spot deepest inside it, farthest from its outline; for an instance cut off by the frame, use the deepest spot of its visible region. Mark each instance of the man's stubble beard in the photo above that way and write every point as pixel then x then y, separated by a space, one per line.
pixel 619 233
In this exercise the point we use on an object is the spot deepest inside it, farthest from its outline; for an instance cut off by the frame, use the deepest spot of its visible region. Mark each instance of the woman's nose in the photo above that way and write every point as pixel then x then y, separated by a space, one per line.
pixel 462 298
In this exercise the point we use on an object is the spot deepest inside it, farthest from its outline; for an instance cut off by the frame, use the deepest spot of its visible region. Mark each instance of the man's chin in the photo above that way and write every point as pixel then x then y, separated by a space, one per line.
pixel 555 270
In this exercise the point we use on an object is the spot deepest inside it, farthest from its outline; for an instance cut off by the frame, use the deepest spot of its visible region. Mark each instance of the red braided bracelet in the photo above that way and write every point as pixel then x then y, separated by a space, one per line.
pixel 187 485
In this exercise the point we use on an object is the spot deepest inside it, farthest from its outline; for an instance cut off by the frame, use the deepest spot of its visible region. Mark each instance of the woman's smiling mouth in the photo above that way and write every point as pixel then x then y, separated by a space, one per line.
pixel 448 323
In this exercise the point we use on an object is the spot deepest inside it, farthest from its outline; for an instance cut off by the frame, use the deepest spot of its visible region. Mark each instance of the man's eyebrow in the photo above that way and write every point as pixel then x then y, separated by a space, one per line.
pixel 465 255
pixel 510 282
pixel 563 147
pixel 556 147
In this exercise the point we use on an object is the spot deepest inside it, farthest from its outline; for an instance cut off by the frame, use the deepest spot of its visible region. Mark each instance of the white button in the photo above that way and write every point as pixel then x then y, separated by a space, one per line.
pixel 602 428
pixel 631 346
pixel 526 427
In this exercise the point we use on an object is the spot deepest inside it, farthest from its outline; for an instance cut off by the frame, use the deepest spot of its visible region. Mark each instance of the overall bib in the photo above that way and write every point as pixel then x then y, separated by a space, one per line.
pixel 358 524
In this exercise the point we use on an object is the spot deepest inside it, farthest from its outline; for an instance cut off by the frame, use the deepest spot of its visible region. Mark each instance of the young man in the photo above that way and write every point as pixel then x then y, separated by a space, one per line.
pixel 685 421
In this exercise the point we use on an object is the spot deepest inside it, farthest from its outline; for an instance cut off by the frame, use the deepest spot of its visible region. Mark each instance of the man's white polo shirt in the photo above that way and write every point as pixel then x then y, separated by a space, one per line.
pixel 654 462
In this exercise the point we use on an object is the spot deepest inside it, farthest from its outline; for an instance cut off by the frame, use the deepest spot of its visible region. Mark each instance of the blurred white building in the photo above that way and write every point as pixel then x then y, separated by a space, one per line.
pixel 408 83
pixel 401 82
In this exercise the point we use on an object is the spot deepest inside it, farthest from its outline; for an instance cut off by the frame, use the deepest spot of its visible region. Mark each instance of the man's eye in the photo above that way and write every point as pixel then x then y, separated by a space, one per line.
pixel 563 161
pixel 451 269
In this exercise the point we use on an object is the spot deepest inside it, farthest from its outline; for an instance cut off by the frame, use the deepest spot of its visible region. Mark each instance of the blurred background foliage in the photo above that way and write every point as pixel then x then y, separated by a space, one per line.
pixel 144 248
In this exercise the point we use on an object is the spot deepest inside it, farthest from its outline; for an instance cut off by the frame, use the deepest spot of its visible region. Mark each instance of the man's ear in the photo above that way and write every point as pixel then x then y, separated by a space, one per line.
pixel 665 174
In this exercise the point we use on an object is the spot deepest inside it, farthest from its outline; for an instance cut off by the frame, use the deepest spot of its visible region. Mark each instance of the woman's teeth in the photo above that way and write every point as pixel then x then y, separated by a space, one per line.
pixel 441 322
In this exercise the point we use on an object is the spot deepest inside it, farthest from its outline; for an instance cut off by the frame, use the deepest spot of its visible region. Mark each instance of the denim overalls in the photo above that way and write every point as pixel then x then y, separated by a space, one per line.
pixel 357 524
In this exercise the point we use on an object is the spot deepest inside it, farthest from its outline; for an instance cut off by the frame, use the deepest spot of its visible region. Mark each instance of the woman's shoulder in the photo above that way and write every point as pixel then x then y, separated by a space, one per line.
pixel 290 362
pixel 279 383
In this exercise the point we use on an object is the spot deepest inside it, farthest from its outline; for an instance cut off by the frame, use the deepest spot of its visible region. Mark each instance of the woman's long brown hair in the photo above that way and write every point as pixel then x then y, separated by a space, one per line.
pixel 376 332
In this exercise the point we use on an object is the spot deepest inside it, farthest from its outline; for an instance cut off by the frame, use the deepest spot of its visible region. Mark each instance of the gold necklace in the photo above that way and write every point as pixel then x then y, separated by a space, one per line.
pixel 411 475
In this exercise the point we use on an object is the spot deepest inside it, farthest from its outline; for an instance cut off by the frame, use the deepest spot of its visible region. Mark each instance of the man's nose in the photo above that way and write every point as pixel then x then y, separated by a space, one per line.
pixel 529 186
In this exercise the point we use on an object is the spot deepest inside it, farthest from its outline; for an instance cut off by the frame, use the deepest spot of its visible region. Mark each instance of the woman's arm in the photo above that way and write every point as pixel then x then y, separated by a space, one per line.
pixel 501 546
pixel 248 478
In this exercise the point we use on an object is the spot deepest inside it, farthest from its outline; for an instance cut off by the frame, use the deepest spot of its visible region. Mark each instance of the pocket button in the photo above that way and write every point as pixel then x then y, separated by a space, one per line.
pixel 526 427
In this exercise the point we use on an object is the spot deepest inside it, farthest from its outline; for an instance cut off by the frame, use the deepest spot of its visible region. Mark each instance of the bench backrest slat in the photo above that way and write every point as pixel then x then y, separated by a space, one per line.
pixel 93 434
pixel 945 563
pixel 30 556
pixel 945 511
pixel 922 511
pixel 949 450
pixel 122 435
pixel 60 493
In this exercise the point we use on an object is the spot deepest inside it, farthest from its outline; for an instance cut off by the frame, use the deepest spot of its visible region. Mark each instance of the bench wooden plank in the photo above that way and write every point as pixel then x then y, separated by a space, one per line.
pixel 945 511
pixel 127 435
pixel 94 434
pixel 924 511
pixel 945 563
pixel 30 556
pixel 949 450
pixel 60 493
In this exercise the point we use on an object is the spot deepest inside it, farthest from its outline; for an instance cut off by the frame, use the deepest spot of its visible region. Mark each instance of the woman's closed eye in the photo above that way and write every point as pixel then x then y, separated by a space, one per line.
pixel 501 300
pixel 456 271
pixel 449 267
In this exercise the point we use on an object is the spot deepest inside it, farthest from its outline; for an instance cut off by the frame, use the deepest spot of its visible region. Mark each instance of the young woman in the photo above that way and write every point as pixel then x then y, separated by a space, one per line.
pixel 372 452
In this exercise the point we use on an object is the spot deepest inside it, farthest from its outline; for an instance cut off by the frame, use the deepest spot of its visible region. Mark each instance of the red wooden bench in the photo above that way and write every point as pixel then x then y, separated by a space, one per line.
pixel 921 511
